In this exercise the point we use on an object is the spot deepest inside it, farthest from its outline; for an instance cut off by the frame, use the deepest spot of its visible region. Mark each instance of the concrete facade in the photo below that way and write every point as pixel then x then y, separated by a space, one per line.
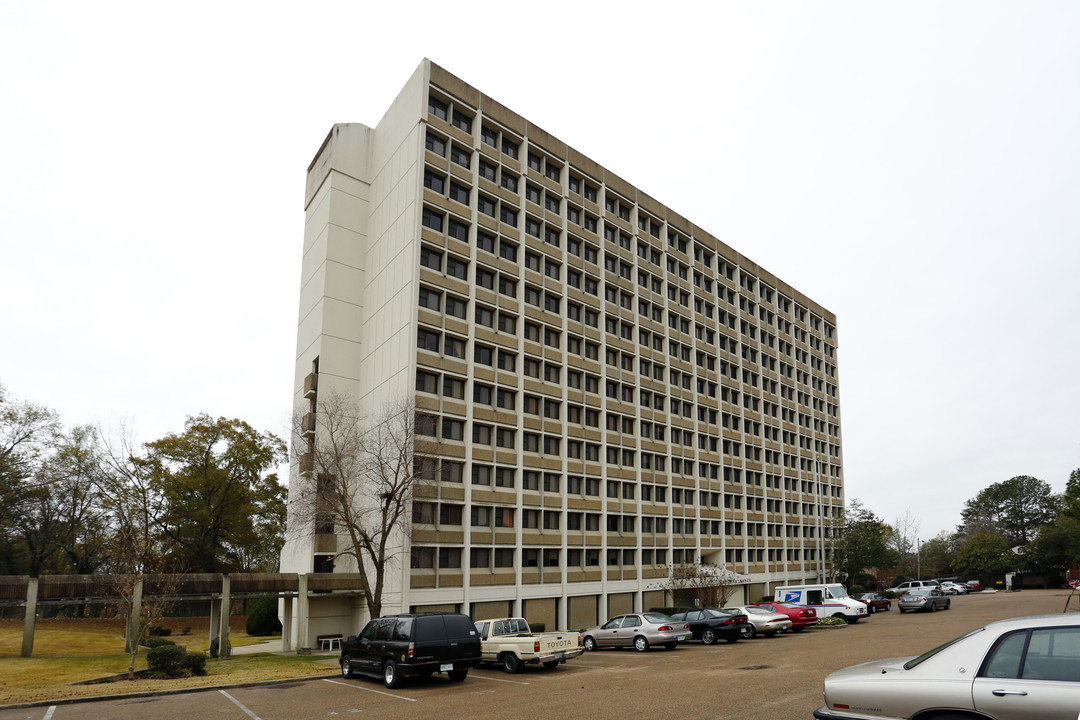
pixel 614 391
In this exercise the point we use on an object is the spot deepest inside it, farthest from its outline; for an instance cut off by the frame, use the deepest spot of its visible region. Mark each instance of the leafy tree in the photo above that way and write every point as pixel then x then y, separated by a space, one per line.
pixel 860 540
pixel 1015 508
pixel 984 554
pixel 213 493
pixel 358 482
pixel 936 555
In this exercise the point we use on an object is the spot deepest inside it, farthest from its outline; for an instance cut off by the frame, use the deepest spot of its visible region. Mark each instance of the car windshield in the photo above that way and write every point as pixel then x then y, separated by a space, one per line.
pixel 837 591
pixel 931 653
pixel 656 617
pixel 917 591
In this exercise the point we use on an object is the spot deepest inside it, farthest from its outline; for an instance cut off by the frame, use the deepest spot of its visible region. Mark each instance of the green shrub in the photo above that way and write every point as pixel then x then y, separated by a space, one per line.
pixel 158 631
pixel 832 620
pixel 153 642
pixel 856 590
pixel 537 627
pixel 166 661
pixel 194 664
pixel 262 618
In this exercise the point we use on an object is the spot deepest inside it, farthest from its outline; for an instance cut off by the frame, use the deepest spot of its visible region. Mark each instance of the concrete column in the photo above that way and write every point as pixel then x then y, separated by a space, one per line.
pixel 223 628
pixel 563 603
pixel 134 630
pixel 31 617
pixel 303 641
pixel 215 620
pixel 517 611
pixel 286 624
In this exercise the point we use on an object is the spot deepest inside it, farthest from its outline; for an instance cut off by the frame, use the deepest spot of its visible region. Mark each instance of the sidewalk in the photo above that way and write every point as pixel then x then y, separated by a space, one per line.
pixel 274 646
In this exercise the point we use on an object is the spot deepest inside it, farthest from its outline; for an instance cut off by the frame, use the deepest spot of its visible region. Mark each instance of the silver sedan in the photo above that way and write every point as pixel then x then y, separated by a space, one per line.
pixel 762 621
pixel 637 630
pixel 930 599
pixel 1019 669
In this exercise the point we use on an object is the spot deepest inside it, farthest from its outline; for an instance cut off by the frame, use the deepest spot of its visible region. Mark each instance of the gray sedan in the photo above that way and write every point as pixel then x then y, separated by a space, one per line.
pixel 1019 669
pixel 930 599
pixel 637 630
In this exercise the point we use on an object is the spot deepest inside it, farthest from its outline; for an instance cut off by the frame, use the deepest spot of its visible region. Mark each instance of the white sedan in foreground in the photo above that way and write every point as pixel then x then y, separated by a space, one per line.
pixel 1020 669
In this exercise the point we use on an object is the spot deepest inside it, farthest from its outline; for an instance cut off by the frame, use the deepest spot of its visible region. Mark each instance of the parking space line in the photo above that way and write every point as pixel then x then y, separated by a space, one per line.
pixel 367 689
pixel 240 705
pixel 485 677
pixel 49 713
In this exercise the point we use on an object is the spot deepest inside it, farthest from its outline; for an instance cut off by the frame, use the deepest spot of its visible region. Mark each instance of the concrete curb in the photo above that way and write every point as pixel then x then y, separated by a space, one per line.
pixel 156 693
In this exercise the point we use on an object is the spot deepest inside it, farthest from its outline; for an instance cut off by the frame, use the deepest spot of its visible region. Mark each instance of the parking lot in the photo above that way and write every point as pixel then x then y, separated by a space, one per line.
pixel 777 678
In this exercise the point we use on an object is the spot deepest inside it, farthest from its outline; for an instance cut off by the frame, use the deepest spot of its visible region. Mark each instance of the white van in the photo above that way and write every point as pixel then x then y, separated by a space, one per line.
pixel 827 599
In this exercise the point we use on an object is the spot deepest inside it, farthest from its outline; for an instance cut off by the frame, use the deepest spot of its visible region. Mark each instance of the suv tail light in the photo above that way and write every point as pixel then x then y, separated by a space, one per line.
pixel 411 645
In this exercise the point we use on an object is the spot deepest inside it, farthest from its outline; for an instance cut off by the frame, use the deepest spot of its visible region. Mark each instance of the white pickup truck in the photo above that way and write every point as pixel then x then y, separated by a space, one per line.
pixel 510 642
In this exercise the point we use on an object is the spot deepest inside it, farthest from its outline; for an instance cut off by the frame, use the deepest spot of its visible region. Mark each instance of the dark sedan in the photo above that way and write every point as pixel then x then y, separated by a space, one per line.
pixel 711 624
pixel 875 602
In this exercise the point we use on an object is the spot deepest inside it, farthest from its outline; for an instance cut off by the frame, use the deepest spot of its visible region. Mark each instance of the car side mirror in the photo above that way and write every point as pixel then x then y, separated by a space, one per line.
pixel 350 639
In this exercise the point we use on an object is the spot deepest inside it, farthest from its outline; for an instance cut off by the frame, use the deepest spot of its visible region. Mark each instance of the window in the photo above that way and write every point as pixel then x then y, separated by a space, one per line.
pixel 510 182
pixel 455 307
pixel 459 193
pixel 433 220
pixel 485 205
pixel 482 355
pixel 430 299
pixel 449 557
pixel 460 155
pixel 459 231
pixel 437 107
pixel 462 121
pixel 509 147
pixel 435 144
pixel 508 250
pixel 508 216
pixel 427 340
pixel 505 438
pixel 483 394
pixel 434 182
pixel 489 135
pixel 485 278
pixel 454 387
pixel 453 429
pixel 427 382
pixel 456 267
pixel 485 242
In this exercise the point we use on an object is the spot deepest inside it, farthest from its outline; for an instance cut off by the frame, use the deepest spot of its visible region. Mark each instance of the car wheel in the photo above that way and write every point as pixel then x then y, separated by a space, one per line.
pixel 870 609
pixel 511 663
pixel 641 644
pixel 708 637
pixel 346 668
pixel 750 632
pixel 589 643
pixel 458 675
pixel 888 607
pixel 551 664
pixel 933 607
pixel 391 675
pixel 948 604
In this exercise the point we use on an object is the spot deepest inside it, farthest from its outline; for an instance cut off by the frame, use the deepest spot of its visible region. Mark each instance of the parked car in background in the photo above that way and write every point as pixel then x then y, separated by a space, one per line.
pixel 801 617
pixel 511 643
pixel 1025 668
pixel 395 647
pixel 955 588
pixel 875 602
pixel 912 584
pixel 927 598
pixel 762 621
pixel 711 624
pixel 637 630
pixel 975 585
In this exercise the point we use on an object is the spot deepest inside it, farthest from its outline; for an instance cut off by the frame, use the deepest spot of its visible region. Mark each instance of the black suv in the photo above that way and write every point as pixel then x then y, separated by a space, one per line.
pixel 413 645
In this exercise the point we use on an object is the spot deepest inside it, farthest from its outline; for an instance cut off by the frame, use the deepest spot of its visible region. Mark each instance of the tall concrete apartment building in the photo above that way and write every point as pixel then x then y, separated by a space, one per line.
pixel 614 391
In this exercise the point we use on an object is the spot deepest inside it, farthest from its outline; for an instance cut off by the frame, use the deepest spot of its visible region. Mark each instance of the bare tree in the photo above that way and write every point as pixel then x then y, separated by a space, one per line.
pixel 702 585
pixel 905 534
pixel 360 475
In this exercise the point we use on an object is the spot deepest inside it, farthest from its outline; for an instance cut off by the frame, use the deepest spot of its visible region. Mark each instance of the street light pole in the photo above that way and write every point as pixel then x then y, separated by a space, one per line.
pixel 918 559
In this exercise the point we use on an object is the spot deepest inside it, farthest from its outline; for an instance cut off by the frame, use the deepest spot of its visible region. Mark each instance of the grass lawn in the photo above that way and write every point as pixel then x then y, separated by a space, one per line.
pixel 69 651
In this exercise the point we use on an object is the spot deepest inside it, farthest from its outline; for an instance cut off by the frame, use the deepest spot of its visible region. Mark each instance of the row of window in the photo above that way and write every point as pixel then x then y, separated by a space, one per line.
pixel 495 557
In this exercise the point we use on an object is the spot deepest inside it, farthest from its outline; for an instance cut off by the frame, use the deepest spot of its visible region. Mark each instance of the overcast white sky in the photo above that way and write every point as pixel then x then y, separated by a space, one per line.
pixel 914 167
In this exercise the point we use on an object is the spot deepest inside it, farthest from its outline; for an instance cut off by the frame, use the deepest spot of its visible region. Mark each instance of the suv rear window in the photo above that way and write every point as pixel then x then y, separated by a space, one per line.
pixel 459 626
pixel 429 627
